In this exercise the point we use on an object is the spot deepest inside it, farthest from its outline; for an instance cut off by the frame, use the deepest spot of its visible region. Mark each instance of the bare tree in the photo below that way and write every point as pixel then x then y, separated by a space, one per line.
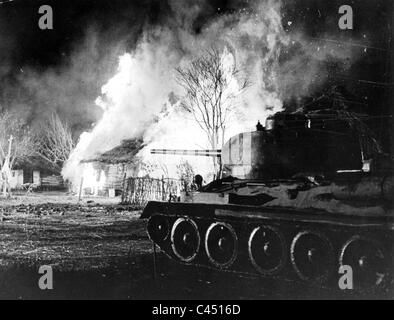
pixel 16 145
pixel 211 94
pixel 55 142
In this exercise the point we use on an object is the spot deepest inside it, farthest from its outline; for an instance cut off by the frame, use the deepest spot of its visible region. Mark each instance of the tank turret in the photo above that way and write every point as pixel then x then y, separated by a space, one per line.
pixel 322 142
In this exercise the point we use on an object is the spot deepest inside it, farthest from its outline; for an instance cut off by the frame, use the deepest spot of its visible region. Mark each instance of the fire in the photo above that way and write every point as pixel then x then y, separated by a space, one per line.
pixel 143 97
pixel 93 180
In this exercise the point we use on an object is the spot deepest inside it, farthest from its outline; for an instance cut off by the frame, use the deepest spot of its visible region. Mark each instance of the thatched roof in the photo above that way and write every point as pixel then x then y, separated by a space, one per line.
pixel 125 153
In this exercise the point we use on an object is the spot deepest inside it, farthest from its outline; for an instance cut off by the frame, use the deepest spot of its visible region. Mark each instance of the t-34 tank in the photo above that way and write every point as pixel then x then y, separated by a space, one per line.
pixel 298 199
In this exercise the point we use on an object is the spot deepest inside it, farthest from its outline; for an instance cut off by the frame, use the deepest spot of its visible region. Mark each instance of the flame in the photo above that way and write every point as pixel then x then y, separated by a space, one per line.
pixel 92 180
pixel 142 99
pixel 179 130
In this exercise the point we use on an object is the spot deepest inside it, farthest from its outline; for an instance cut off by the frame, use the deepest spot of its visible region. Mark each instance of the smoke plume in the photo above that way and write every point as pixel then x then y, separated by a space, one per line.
pixel 142 98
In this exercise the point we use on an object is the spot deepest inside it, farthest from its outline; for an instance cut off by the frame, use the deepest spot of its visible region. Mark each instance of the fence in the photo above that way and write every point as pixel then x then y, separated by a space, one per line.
pixel 138 191
pixel 52 183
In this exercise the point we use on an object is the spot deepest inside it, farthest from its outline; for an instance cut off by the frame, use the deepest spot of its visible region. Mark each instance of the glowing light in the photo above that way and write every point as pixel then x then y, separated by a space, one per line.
pixel 93 180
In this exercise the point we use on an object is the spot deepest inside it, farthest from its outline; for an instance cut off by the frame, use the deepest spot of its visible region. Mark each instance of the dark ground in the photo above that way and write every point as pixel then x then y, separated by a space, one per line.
pixel 103 252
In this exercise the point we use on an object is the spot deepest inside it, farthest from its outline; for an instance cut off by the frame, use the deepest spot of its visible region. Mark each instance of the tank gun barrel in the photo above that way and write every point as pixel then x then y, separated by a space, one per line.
pixel 195 153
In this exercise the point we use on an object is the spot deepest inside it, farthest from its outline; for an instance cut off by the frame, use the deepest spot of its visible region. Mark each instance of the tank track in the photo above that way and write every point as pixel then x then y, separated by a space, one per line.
pixel 276 243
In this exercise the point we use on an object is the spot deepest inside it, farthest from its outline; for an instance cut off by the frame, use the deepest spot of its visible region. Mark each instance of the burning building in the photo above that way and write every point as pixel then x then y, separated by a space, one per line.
pixel 292 53
pixel 106 174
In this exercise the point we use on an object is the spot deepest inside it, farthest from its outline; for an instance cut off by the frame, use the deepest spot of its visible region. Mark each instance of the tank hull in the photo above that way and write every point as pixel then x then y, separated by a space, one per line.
pixel 288 244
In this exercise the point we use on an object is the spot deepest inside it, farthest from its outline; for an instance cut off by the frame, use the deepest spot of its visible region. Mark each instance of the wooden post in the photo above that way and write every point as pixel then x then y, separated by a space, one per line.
pixel 163 191
pixel 132 192
pixel 141 194
pixel 80 191
pixel 154 262
pixel 123 188
pixel 6 169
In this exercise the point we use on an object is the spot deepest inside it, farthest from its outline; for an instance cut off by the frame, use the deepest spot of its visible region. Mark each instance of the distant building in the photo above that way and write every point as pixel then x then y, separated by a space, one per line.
pixel 35 172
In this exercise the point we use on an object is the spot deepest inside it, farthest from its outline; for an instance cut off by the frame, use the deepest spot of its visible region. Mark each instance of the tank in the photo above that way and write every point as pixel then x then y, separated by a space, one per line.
pixel 297 199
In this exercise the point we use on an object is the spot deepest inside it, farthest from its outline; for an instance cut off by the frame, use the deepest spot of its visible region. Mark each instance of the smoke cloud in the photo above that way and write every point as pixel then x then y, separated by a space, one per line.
pixel 142 98
pixel 67 90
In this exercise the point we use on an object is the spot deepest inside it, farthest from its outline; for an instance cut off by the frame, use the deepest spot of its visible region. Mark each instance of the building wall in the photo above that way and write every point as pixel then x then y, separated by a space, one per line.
pixel 114 177
pixel 37 177
pixel 16 180
pixel 20 177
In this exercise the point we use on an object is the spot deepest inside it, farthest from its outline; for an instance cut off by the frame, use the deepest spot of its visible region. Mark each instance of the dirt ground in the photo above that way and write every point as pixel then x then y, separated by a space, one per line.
pixel 100 250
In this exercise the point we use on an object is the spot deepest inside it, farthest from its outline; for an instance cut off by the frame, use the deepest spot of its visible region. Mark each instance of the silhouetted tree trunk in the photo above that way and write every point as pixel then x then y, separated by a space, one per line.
pixel 211 89
pixel 55 142
pixel 16 145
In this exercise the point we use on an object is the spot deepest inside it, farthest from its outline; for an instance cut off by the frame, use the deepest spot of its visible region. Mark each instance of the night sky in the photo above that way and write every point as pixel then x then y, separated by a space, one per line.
pixel 28 54
pixel 27 44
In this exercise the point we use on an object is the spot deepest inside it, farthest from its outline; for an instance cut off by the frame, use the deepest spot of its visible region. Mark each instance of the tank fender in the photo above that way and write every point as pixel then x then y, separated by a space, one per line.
pixel 151 208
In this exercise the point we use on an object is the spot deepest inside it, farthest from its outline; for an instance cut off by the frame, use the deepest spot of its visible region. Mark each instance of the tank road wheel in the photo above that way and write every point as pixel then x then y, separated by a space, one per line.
pixel 158 228
pixel 267 250
pixel 185 239
pixel 221 244
pixel 312 256
pixel 368 260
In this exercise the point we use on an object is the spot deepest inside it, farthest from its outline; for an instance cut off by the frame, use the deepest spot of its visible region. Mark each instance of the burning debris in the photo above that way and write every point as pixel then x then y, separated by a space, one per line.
pixel 107 172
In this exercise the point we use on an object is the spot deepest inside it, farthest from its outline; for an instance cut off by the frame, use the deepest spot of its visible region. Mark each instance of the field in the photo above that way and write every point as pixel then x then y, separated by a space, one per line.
pixel 100 250
pixel 96 248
